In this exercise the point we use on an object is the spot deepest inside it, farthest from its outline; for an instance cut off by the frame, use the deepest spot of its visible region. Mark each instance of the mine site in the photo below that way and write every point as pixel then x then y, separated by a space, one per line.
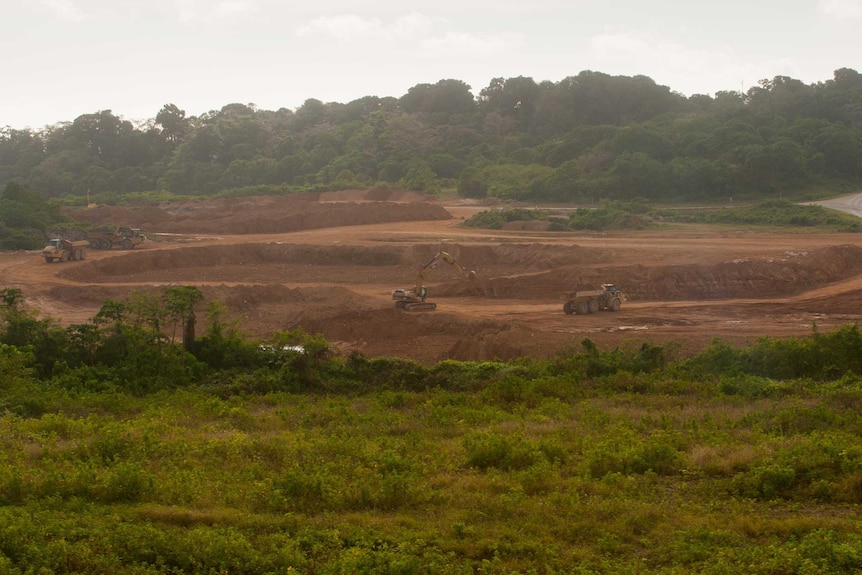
pixel 328 263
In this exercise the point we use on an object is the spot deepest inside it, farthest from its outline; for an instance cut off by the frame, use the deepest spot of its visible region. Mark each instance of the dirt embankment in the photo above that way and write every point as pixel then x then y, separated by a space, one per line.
pixel 509 271
pixel 267 214
pixel 327 263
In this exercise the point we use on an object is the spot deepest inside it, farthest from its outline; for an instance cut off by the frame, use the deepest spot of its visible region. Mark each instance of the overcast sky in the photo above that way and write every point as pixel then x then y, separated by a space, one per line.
pixel 64 58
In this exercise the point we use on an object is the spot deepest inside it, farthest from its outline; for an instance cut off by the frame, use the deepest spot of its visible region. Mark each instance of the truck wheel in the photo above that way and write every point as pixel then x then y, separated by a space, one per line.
pixel 583 308
pixel 106 244
pixel 49 259
pixel 615 305
pixel 126 244
pixel 594 305
pixel 64 257
pixel 569 308
pixel 94 244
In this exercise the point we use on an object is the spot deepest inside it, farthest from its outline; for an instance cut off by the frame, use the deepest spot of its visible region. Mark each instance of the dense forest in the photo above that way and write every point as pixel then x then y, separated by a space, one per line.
pixel 588 137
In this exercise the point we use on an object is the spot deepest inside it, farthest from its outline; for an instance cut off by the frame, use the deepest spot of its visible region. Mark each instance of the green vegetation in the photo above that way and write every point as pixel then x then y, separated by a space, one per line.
pixel 128 448
pixel 496 219
pixel 586 138
pixel 632 215
pixel 767 213
pixel 637 215
pixel 25 218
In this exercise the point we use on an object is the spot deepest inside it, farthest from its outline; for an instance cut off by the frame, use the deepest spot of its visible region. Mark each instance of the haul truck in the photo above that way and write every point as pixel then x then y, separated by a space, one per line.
pixel 123 236
pixel 60 250
pixel 583 302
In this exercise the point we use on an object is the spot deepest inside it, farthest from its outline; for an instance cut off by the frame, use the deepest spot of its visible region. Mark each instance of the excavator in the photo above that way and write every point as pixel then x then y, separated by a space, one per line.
pixel 414 299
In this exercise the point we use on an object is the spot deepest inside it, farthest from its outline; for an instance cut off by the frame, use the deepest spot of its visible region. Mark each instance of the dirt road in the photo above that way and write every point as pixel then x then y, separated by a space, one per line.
pixel 304 262
pixel 851 204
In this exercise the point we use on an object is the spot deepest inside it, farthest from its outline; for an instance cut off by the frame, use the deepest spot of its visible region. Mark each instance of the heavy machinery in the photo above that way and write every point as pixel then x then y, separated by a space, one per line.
pixel 610 297
pixel 63 250
pixel 414 299
pixel 123 236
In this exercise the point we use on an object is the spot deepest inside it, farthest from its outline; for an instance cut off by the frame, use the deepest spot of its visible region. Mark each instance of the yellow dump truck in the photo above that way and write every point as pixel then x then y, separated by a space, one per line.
pixel 610 298
pixel 123 237
pixel 60 250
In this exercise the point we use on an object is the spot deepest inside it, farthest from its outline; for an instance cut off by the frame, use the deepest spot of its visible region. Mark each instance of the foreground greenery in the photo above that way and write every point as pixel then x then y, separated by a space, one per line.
pixel 124 452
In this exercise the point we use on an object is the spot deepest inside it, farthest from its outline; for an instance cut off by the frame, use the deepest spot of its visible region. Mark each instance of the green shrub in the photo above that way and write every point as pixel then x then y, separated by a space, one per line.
pixel 495 450
pixel 496 219
pixel 774 212
pixel 634 457
pixel 766 481
pixel 126 483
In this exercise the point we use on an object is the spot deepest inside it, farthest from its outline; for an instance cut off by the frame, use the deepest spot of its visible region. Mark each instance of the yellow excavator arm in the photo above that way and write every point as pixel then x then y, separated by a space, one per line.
pixel 420 290
pixel 415 299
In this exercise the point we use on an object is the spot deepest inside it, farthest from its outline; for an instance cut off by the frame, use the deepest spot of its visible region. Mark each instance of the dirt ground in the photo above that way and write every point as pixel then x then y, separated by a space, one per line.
pixel 328 263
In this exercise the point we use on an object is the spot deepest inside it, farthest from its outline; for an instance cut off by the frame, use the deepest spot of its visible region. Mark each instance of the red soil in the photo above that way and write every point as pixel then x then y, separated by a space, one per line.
pixel 328 262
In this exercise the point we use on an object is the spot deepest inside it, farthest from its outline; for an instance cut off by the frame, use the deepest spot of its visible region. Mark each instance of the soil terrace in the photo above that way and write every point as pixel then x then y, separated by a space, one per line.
pixel 328 263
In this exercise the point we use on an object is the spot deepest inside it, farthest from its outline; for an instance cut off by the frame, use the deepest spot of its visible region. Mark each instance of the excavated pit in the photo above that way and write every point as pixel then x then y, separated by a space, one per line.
pixel 327 263
pixel 511 271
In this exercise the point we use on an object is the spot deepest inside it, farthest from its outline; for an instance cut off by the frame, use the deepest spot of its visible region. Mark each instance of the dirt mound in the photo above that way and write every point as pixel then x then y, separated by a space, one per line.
pixel 264 263
pixel 375 195
pixel 281 262
pixel 425 336
pixel 288 307
pixel 763 278
pixel 746 278
pixel 264 214
pixel 688 285
pixel 508 271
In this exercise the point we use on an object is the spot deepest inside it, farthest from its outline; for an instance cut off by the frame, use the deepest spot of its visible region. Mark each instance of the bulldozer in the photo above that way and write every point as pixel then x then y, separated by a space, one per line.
pixel 414 299
pixel 609 298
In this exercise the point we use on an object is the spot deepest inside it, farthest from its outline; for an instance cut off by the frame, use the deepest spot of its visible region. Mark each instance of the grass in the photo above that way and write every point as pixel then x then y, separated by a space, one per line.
pixel 621 461
pixel 435 482
pixel 637 215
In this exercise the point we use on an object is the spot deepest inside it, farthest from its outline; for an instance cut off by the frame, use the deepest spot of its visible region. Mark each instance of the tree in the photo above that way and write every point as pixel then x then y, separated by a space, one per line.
pixel 180 305
pixel 20 152
pixel 590 119
pixel 639 175
pixel 100 134
pixel 645 139
pixel 514 97
pixel 439 101
pixel 25 217
pixel 173 122
pixel 420 177
pixel 842 151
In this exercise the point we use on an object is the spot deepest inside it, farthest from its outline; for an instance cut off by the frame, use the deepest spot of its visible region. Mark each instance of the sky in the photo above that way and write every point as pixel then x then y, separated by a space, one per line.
pixel 64 58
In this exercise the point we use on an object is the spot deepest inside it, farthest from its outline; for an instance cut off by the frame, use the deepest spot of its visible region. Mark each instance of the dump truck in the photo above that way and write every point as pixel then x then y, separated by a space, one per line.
pixel 609 298
pixel 123 236
pixel 414 299
pixel 62 250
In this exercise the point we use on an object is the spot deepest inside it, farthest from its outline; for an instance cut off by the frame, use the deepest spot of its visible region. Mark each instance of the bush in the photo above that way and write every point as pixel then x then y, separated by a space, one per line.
pixel 496 219
pixel 506 452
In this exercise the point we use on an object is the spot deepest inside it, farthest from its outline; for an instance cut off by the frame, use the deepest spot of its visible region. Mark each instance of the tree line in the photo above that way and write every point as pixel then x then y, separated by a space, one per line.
pixel 585 138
